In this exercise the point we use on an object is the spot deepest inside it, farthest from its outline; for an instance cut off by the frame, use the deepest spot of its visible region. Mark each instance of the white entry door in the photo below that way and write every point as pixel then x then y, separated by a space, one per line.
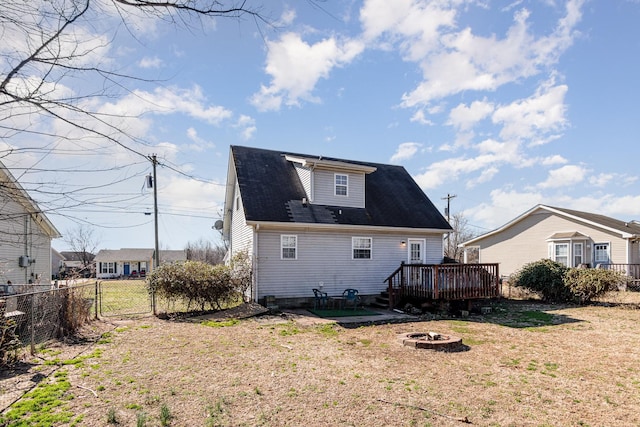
pixel 415 255
pixel 416 251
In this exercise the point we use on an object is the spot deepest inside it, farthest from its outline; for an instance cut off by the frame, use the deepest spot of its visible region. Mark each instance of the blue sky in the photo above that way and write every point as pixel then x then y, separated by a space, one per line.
pixel 505 104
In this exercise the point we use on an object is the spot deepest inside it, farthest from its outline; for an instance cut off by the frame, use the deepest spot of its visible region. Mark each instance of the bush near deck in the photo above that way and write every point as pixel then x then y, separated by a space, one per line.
pixel 554 282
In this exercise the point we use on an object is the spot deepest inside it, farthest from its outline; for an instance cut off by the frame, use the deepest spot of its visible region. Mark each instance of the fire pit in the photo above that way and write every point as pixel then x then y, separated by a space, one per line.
pixel 431 341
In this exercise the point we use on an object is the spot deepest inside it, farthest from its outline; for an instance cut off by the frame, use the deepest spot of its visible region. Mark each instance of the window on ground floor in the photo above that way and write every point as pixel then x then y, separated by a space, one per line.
pixel 561 253
pixel 601 253
pixel 108 268
pixel 361 247
pixel 289 246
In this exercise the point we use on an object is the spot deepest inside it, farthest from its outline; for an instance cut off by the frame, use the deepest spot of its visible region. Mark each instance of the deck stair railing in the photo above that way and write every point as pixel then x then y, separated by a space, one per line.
pixel 443 282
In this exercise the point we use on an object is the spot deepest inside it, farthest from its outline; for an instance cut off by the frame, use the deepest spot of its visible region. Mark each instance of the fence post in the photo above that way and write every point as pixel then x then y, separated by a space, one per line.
pixel 95 301
pixel 33 324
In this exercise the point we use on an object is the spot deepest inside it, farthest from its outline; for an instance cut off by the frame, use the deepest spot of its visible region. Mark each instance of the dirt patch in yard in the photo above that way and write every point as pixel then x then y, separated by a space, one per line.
pixel 527 364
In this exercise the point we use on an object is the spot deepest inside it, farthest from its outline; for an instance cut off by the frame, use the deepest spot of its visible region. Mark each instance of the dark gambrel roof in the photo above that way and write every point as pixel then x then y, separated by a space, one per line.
pixel 272 192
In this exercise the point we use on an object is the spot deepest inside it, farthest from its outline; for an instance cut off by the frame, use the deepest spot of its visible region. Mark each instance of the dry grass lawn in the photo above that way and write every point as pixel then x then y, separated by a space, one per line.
pixel 527 364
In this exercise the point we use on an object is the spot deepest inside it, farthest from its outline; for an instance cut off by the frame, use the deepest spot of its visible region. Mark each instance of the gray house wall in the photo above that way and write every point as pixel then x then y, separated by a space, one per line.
pixel 324 188
pixel 20 236
pixel 241 232
pixel 326 256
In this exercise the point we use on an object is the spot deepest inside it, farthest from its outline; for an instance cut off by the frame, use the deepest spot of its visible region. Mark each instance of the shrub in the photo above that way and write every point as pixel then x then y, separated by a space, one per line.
pixel 241 273
pixel 587 284
pixel 194 282
pixel 9 341
pixel 545 278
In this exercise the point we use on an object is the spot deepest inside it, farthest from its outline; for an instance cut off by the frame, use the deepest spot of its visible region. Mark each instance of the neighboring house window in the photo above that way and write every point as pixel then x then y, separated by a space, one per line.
pixel 143 266
pixel 561 253
pixel 361 247
pixel 237 202
pixel 108 268
pixel 342 183
pixel 601 253
pixel 289 246
pixel 578 254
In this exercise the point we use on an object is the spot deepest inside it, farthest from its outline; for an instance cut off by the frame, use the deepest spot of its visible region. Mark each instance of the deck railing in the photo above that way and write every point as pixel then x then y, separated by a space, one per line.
pixel 443 282
pixel 631 270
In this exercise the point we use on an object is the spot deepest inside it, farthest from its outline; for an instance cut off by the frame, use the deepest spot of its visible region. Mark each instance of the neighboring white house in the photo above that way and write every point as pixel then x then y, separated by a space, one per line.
pixel 131 262
pixel 25 235
pixel 316 222
pixel 570 237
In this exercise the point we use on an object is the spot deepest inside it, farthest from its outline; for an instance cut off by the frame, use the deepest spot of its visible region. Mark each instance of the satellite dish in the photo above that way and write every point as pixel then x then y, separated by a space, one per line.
pixel 218 224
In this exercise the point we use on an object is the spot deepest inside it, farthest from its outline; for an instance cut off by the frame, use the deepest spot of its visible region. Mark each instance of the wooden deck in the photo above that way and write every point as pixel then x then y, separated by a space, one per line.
pixel 443 282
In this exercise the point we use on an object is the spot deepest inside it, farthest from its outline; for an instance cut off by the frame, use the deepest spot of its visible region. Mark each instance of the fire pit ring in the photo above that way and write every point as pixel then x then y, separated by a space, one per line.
pixel 431 341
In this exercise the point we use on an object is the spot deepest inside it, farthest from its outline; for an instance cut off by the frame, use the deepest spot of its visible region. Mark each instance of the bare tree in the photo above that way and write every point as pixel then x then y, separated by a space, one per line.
pixel 203 250
pixel 84 243
pixel 56 75
pixel 46 54
pixel 461 233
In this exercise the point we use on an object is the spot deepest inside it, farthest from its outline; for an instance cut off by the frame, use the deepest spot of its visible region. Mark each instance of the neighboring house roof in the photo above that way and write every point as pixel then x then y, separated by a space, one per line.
pixel 125 254
pixel 627 230
pixel 172 256
pixel 272 192
pixel 12 188
pixel 77 256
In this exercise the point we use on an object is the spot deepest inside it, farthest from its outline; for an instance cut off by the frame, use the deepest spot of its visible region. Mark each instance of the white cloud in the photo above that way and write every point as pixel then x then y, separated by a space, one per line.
pixel 150 62
pixel 463 61
pixel 296 66
pixel 405 151
pixel 419 117
pixel 465 117
pixel 534 118
pixel 555 159
pixel 564 177
pixel 247 126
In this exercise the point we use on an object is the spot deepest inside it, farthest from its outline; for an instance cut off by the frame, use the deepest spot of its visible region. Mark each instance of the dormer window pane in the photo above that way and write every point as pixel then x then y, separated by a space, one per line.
pixel 342 183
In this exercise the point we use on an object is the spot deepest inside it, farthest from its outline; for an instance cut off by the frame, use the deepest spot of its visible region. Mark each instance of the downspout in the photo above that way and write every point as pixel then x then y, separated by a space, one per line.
pixel 254 262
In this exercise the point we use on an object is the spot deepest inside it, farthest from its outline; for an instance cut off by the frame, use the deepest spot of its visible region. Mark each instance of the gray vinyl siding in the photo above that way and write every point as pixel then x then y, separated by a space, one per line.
pixel 326 257
pixel 20 235
pixel 324 189
pixel 241 232
pixel 526 241
pixel 305 178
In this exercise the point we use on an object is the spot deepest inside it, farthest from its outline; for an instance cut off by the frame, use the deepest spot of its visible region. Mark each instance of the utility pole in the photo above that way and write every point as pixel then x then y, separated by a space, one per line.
pixel 156 257
pixel 448 210
pixel 448 213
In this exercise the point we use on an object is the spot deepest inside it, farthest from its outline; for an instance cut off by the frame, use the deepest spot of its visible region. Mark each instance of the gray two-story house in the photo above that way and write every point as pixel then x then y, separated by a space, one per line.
pixel 317 222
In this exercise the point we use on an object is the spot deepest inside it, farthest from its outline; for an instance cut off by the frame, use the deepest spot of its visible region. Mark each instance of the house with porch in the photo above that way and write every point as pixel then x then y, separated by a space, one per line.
pixel 131 262
pixel 570 237
pixel 25 236
pixel 310 221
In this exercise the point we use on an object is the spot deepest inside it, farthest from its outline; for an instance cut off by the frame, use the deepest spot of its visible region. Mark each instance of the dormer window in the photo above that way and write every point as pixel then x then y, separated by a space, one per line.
pixel 342 184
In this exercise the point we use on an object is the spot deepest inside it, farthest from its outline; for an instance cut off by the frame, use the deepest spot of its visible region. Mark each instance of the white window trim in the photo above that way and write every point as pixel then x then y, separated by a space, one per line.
pixel 574 253
pixel 353 247
pixel 336 185
pixel 567 256
pixel 283 247
pixel 595 261
pixel 423 242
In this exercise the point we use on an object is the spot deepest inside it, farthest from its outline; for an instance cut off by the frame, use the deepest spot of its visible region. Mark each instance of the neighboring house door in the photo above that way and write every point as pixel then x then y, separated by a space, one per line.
pixel 126 269
pixel 601 253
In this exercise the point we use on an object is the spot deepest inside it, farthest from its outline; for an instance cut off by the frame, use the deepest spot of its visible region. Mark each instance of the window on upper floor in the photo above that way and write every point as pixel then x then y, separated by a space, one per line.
pixel 289 246
pixel 341 184
pixel 361 247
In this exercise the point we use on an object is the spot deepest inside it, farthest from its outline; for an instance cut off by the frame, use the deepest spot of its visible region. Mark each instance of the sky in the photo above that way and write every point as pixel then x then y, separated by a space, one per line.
pixel 502 104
